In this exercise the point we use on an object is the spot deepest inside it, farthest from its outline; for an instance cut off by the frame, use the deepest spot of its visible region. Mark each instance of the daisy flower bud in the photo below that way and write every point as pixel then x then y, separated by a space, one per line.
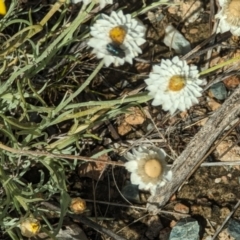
pixel 174 84
pixel 116 38
pixel 148 168
pixel 30 227
pixel 229 17
pixel 78 205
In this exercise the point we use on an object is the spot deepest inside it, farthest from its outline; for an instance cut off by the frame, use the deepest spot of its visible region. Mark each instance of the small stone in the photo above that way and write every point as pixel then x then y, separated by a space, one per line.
pixel 124 128
pixel 218 91
pixel 173 223
pixel 224 212
pixel 217 180
pixel 186 228
pixel 173 9
pixel 205 211
pixel 150 127
pixel 224 235
pixel 181 208
pixel 225 151
pixel 232 82
pixel 214 105
pixel 193 31
pixel 135 116
pixel 175 40
pixel 224 179
pixel 234 228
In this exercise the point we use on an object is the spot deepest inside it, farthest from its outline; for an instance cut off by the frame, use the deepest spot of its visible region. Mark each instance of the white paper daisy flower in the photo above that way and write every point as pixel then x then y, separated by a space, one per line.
pixel 102 3
pixel 148 168
pixel 174 84
pixel 116 38
pixel 229 17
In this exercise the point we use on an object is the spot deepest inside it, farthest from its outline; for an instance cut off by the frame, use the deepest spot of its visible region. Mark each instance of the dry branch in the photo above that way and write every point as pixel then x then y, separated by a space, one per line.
pixel 193 155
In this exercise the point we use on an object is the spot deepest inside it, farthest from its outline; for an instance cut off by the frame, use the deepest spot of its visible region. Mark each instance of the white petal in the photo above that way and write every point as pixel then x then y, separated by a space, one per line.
pixel 135 179
pixel 131 166
pixel 168 175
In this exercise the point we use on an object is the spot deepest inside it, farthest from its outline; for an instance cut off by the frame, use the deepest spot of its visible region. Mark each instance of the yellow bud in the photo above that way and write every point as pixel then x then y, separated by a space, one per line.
pixel 78 205
pixel 30 227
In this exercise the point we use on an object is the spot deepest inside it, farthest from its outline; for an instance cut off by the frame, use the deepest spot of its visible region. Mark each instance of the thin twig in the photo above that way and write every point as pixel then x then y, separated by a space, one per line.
pixel 137 207
pixel 88 159
pixel 226 220
pixel 51 155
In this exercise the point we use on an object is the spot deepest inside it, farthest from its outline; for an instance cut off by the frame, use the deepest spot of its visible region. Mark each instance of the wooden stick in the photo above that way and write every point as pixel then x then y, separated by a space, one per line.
pixel 37 153
pixel 193 155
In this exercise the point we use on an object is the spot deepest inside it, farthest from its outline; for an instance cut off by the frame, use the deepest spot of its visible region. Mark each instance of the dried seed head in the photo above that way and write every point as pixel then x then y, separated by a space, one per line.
pixel 78 205
pixel 30 227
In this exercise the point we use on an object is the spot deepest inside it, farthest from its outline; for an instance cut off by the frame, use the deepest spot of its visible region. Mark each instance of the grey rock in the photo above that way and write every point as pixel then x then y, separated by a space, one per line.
pixel 218 91
pixel 185 229
pixel 175 40
pixel 234 228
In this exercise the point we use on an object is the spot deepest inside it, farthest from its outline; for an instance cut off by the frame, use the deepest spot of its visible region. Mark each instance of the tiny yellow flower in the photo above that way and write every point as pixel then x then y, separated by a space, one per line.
pixel 30 227
pixel 78 205
pixel 3 9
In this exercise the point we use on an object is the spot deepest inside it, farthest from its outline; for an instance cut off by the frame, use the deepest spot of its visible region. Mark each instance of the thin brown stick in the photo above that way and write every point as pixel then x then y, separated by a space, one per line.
pixel 88 159
pixel 194 153
pixel 226 220
pixel 48 154
pixel 137 207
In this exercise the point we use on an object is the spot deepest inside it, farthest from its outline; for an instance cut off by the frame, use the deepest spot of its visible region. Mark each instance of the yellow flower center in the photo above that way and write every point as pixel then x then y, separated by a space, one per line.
pixel 176 83
pixel 34 227
pixel 118 34
pixel 232 12
pixel 153 168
